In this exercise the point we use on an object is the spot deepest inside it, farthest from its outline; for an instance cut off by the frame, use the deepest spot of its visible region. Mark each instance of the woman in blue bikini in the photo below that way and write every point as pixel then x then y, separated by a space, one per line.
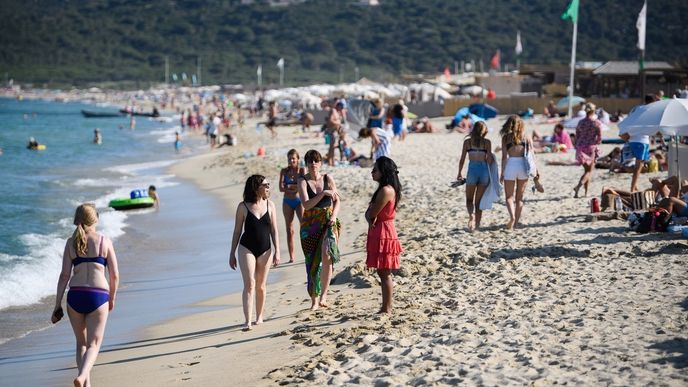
pixel 90 298
pixel 291 204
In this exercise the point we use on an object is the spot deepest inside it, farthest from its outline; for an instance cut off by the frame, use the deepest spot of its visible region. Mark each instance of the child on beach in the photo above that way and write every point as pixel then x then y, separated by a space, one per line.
pixel 383 247
pixel 255 254
pixel 87 255
pixel 153 194
pixel 291 204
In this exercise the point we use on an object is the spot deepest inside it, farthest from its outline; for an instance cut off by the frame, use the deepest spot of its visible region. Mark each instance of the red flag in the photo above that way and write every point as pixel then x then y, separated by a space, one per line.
pixel 494 63
pixel 446 72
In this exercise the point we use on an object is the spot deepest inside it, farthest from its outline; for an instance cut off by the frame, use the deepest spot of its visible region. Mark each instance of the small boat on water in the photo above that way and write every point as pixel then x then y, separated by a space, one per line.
pixel 121 204
pixel 92 114
pixel 154 114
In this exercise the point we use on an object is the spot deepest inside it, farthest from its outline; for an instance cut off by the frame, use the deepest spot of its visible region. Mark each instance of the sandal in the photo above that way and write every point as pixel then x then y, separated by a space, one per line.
pixel 538 185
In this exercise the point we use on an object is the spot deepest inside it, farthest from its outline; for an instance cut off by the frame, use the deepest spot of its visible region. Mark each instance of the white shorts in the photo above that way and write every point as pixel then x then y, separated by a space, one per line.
pixel 516 169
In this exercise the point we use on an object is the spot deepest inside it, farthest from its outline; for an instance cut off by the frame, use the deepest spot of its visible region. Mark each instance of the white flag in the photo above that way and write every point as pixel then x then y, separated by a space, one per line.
pixel 259 72
pixel 519 47
pixel 640 25
pixel 280 63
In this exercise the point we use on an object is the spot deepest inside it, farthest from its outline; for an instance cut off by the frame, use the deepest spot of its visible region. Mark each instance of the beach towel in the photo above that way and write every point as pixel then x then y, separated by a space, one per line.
pixel 494 188
pixel 314 231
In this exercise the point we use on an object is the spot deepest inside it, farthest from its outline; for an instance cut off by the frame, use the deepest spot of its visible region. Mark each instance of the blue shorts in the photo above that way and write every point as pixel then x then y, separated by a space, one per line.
pixel 478 173
pixel 640 151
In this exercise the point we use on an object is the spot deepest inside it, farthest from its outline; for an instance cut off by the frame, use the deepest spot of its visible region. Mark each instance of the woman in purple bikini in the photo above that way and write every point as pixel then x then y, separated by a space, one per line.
pixel 87 256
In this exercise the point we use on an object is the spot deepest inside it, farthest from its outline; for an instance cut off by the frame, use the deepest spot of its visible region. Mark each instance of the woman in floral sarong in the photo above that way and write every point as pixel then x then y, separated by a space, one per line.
pixel 319 228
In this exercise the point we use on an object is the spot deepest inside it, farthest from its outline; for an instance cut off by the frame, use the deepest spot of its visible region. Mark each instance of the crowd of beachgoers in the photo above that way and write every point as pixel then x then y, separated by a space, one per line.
pixel 487 268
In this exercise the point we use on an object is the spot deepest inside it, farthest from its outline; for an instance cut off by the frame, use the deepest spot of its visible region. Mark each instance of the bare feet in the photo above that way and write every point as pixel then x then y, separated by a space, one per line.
pixel 259 320
pixel 575 191
pixel 292 260
pixel 246 328
pixel 314 304
pixel 471 225
pixel 510 225
pixel 323 303
pixel 384 311
pixel 79 382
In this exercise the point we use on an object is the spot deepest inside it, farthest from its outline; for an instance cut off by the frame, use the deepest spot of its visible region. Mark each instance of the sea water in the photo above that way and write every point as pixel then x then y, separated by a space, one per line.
pixel 41 189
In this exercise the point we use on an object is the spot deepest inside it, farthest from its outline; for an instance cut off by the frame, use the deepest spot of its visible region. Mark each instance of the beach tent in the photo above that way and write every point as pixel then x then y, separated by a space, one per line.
pixel 357 114
pixel 483 110
pixel 462 112
pixel 668 116
pixel 564 102
pixel 572 123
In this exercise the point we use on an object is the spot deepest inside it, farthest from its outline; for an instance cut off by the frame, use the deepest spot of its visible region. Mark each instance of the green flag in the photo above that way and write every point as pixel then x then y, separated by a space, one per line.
pixel 571 12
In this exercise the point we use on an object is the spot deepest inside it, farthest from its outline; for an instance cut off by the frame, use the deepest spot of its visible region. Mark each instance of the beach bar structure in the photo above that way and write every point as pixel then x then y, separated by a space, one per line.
pixel 622 79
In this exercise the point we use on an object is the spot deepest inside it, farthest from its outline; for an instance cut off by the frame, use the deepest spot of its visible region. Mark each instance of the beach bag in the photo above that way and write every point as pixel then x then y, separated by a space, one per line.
pixel 655 220
pixel 531 168
pixel 641 200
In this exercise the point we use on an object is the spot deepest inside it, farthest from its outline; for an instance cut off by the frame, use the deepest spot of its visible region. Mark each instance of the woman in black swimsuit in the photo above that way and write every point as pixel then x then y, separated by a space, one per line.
pixel 257 217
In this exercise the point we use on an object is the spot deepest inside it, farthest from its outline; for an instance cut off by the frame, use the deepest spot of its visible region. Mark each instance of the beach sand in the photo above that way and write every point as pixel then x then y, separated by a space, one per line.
pixel 557 300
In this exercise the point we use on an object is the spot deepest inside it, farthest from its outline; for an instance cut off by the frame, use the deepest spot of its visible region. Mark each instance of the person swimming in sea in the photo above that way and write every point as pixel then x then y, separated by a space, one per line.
pixel 97 137
pixel 33 144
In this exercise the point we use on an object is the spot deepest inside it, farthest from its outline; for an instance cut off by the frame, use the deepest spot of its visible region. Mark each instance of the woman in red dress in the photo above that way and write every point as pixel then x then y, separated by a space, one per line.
pixel 383 244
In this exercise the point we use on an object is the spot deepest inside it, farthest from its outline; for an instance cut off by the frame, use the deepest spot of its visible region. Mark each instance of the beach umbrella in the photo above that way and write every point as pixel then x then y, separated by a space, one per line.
pixel 564 102
pixel 668 116
pixel 483 110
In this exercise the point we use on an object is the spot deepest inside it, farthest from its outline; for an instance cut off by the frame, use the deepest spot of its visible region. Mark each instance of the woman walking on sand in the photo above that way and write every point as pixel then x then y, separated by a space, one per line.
pixel 383 247
pixel 91 296
pixel 479 151
pixel 291 204
pixel 588 137
pixel 514 174
pixel 257 217
pixel 319 228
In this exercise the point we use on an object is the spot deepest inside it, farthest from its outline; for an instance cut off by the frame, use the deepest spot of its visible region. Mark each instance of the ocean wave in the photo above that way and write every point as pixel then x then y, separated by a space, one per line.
pixel 103 182
pixel 33 276
pixel 132 169
pixel 165 136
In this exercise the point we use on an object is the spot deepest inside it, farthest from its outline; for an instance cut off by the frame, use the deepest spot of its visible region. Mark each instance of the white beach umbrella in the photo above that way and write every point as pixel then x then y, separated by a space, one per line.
pixel 668 116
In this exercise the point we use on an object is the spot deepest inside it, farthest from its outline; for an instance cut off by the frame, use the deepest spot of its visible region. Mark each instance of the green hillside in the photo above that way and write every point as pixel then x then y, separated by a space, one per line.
pixel 79 42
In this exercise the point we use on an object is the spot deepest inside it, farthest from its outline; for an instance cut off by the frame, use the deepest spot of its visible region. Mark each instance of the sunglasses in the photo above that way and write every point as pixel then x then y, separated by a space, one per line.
pixel 312 161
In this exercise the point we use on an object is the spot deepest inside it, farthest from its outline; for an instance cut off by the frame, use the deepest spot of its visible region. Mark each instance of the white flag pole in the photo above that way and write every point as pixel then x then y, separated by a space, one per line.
pixel 259 73
pixel 573 66
pixel 518 49
pixel 280 64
